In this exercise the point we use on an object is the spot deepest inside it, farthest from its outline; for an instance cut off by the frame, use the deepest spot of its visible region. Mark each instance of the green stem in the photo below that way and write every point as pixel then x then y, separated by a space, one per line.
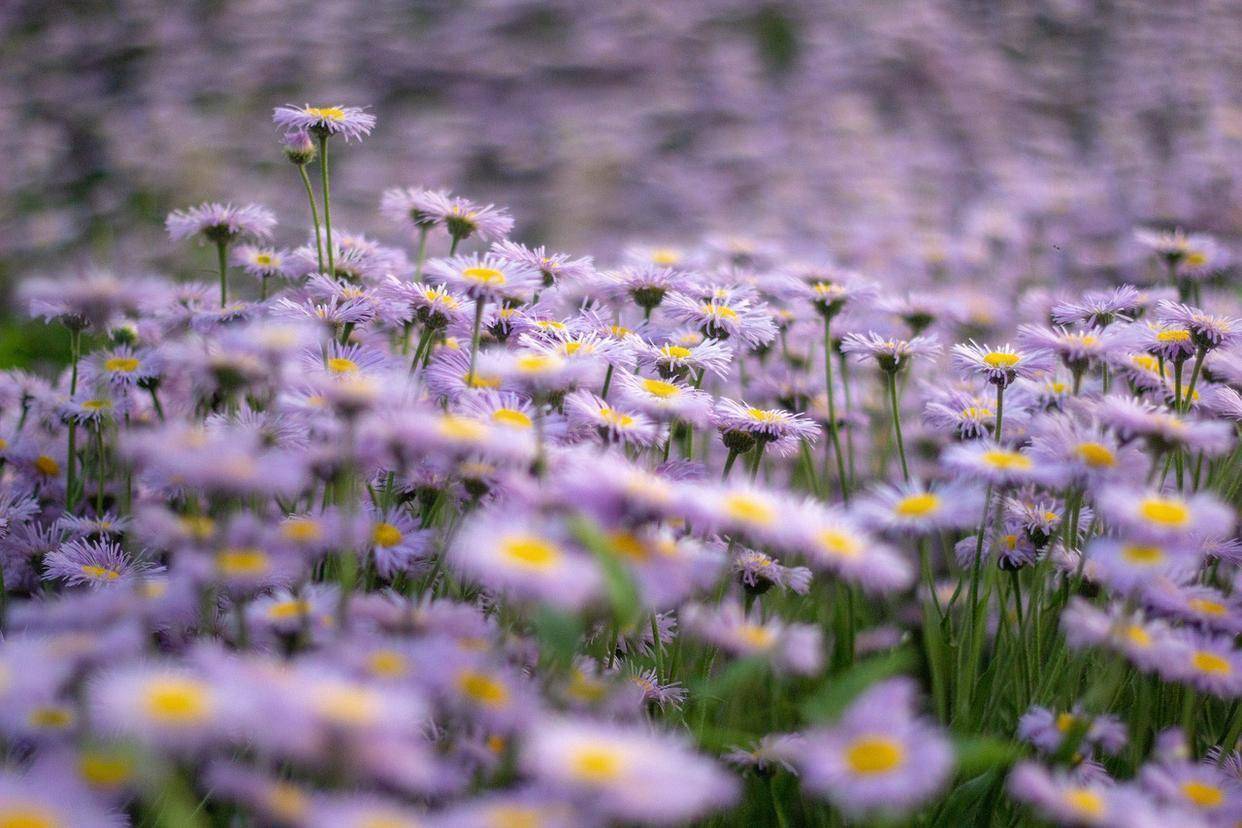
pixel 1194 379
pixel 310 196
pixel 756 459
pixel 901 447
pixel 327 201
pixel 474 338
pixel 421 256
pixel 832 411
pixel 100 477
pixel 728 466
pixel 222 254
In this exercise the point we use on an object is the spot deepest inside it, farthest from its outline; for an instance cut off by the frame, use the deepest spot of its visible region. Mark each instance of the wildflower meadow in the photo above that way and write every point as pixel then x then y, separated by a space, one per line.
pixel 459 529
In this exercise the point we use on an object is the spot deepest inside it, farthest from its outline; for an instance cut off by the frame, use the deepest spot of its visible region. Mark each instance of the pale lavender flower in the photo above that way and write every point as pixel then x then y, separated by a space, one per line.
pixel 791 648
pixel 1099 308
pixel 420 209
pixel 350 121
pixel 880 758
pixel 221 223
pixel 1001 365
pixel 1165 516
pixel 94 563
pixel 891 355
pixel 1046 730
pixel 1207 330
pixel 920 509
pixel 750 324
pixel 779 431
pixel 487 277
pixel 759 572
pixel 626 774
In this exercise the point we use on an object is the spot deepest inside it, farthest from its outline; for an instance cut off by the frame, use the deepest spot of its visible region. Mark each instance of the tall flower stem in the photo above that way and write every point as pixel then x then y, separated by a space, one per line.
pixel 310 196
pixel 832 411
pixel 222 255
pixel 421 255
pixel 1189 396
pixel 474 339
pixel 891 378
pixel 757 459
pixel 728 466
pixel 327 200
pixel 71 477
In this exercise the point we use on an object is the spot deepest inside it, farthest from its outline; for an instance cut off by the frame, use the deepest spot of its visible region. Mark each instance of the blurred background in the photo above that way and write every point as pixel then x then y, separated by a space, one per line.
pixel 895 133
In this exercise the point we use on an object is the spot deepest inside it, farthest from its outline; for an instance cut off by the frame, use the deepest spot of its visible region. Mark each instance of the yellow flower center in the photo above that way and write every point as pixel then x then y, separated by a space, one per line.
pixel 873 755
pixel 721 311
pixel 249 561
pixel 284 610
pixel 341 365
pixel 1137 635
pixel 917 505
pixel 264 259
pixel 511 417
pixel 975 412
pixel 1205 607
pixel 1000 359
pixel 1083 801
pixel 105 770
pixel 1173 335
pixel 484 275
pixel 347 704
pixel 1206 662
pixel 197 526
pixel 175 701
pixel 1146 362
pixel 665 256
pixel 27 816
pixel 97 405
pixel 660 388
pixel 1065 721
pixel 513 816
pixel 481 381
pixel 51 718
pixel 461 429
pixel 765 416
pixel 301 530
pixel 839 544
pixel 326 113
pixel 1008 460
pixel 1164 511
pixel 748 509
pixel 386 535
pixel 629 546
pixel 1142 555
pixel 596 764
pixel 387 664
pixel 756 636
pixel 101 573
pixel 483 689
pixel 123 365
pixel 530 552
pixel 676 352
pixel 46 466
pixel 616 418
pixel 1203 794
pixel 537 363
pixel 1096 455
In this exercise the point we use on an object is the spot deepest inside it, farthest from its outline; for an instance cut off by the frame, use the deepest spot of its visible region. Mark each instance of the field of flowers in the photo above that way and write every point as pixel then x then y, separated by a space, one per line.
pixel 459 530
pixel 467 533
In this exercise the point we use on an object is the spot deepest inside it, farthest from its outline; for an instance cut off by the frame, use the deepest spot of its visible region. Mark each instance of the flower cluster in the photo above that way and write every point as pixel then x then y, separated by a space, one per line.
pixel 456 535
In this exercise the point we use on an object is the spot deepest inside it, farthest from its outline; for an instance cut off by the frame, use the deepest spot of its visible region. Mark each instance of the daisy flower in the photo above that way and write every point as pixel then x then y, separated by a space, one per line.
pixel 1046 729
pixel 260 262
pixel 626 774
pixel 94 563
pixel 681 355
pixel 353 122
pixel 1001 365
pixel 1207 330
pixel 587 410
pixel 999 465
pixel 1145 643
pixel 1099 308
pixel 920 509
pixel 553 267
pixel 665 399
pixel 778 430
pixel 1127 567
pixel 462 218
pixel 891 355
pixel 161 704
pixel 1077 348
pixel 1208 663
pixel 525 560
pixel 1064 799
pixel 791 648
pixel 1157 515
pixel 420 209
pixel 750 324
pixel 759 572
pixel 487 277
pixel 880 757
pixel 221 223
pixel 1203 787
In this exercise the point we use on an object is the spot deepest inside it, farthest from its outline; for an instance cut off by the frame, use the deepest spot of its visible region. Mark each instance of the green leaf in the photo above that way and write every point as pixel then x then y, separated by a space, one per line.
pixel 977 754
pixel 559 634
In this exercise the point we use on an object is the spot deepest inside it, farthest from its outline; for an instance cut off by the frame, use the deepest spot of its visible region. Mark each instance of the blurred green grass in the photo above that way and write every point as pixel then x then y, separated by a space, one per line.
pixel 32 345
